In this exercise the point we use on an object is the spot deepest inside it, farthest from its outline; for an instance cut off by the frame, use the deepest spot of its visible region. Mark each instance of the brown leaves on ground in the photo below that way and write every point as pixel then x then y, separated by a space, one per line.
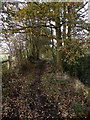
pixel 43 93
pixel 72 99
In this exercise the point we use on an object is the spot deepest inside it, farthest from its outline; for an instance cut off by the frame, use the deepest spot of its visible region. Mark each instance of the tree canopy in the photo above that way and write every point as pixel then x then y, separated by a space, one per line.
pixel 59 26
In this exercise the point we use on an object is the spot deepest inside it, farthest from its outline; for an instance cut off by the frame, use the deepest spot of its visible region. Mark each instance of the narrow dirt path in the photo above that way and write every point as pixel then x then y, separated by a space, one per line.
pixel 40 107
pixel 32 102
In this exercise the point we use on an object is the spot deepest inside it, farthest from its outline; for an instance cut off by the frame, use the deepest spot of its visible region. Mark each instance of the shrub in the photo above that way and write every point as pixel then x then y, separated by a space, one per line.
pixel 5 73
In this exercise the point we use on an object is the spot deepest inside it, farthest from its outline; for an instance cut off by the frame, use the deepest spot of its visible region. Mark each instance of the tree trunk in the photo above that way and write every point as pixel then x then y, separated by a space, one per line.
pixel 37 54
pixel 64 25
pixel 59 44
pixel 52 42
pixel 33 51
pixel 69 24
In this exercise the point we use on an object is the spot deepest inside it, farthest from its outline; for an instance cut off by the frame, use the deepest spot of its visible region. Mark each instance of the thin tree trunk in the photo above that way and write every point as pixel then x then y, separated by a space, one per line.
pixel 69 24
pixel 64 25
pixel 37 54
pixel 59 44
pixel 52 45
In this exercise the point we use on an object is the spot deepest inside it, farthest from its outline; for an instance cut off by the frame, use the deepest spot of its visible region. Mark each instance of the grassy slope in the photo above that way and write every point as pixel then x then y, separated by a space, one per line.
pixel 69 93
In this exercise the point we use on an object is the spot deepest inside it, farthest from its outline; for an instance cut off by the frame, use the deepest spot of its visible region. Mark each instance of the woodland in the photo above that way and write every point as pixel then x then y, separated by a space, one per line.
pixel 48 73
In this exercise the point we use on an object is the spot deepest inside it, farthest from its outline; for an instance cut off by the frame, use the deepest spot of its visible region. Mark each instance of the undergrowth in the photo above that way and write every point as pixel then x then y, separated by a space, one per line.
pixel 61 87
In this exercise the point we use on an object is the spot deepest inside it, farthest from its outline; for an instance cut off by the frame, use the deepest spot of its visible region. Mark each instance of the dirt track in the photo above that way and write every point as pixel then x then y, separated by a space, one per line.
pixel 32 104
pixel 39 104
